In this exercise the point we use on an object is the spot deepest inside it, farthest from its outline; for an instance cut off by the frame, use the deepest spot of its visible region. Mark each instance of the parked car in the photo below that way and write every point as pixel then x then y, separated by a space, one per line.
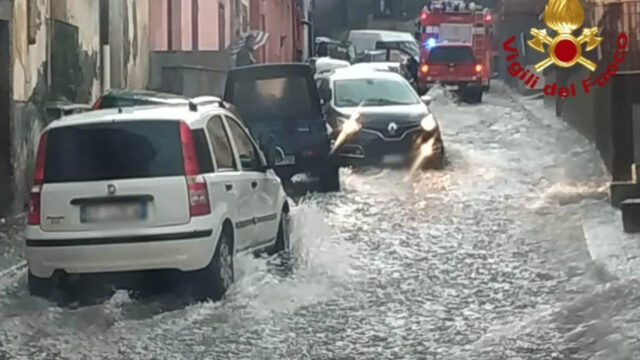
pixel 377 118
pixel 366 40
pixel 453 64
pixel 280 104
pixel 339 50
pixel 116 98
pixel 174 188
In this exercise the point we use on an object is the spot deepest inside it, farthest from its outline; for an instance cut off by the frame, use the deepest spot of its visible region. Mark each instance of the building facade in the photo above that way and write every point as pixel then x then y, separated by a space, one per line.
pixel 54 50
pixel 281 19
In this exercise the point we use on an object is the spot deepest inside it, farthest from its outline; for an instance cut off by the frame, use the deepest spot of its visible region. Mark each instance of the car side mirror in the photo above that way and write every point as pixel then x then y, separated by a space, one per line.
pixel 427 100
pixel 325 95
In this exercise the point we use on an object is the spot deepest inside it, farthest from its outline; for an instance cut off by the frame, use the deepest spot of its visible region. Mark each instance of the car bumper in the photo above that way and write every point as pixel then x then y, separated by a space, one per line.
pixel 370 148
pixel 176 248
pixel 464 82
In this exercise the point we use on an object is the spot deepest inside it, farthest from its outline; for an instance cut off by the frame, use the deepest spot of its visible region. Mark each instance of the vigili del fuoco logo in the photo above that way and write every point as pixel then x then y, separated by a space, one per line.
pixel 564 49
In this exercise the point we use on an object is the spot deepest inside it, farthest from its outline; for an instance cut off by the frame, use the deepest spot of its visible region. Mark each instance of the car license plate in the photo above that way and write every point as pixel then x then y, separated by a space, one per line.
pixel 107 213
pixel 288 160
pixel 393 159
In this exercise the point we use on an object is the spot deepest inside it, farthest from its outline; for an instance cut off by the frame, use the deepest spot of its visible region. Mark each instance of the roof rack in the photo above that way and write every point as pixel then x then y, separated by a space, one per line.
pixel 205 100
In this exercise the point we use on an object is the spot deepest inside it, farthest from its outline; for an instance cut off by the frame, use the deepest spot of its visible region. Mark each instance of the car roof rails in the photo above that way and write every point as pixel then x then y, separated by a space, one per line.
pixel 205 100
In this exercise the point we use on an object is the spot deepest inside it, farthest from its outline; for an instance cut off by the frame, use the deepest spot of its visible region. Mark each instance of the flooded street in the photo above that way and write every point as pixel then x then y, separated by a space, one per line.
pixel 486 259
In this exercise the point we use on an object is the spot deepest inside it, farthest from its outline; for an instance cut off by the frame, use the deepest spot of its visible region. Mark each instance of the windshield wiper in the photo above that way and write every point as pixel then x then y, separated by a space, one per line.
pixel 382 101
pixel 349 102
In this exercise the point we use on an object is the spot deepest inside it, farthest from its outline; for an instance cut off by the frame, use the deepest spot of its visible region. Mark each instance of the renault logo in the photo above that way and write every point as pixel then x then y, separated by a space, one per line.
pixel 393 127
pixel 111 189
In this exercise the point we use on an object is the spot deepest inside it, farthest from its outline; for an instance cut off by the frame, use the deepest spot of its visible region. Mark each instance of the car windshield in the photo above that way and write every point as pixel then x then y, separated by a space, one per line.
pixel 451 54
pixel 373 92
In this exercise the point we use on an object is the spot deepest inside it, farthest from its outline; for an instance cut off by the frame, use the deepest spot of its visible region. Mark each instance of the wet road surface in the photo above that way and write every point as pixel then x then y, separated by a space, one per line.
pixel 485 259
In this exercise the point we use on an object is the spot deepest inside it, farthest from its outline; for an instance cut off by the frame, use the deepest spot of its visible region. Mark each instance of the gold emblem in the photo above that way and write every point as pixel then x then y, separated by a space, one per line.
pixel 564 50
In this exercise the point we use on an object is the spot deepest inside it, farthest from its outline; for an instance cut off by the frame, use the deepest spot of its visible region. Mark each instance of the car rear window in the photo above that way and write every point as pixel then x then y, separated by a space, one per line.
pixel 286 97
pixel 451 54
pixel 110 151
pixel 110 102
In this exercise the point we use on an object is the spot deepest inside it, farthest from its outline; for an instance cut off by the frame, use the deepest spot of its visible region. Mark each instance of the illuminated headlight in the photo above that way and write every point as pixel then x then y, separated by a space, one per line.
pixel 350 125
pixel 429 123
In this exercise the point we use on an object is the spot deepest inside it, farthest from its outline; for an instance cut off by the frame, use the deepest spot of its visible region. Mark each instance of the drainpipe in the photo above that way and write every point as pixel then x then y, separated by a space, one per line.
pixel 308 40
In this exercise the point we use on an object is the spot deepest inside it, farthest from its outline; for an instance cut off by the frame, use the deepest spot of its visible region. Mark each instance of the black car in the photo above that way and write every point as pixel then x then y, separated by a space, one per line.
pixel 281 106
pixel 377 118
pixel 126 97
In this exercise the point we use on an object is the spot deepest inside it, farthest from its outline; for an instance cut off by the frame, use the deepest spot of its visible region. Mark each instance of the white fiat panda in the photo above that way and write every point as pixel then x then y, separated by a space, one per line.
pixel 179 188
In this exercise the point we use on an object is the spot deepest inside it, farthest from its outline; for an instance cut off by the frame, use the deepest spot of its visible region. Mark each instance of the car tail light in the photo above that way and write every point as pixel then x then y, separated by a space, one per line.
pixel 96 105
pixel 488 17
pixel 424 69
pixel 196 184
pixel 38 180
pixel 423 16
pixel 478 68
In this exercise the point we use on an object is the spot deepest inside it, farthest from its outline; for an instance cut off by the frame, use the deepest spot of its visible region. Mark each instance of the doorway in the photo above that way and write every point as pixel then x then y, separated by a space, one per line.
pixel 5 119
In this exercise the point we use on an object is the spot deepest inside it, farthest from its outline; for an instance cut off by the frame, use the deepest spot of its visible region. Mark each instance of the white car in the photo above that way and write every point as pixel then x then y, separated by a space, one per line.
pixel 179 188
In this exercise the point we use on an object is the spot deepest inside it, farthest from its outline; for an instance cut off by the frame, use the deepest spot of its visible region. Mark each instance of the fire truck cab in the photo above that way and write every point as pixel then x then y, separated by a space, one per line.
pixel 455 47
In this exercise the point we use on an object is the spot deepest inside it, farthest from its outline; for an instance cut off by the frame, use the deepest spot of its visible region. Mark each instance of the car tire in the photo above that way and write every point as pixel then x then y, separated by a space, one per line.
pixel 41 287
pixel 437 162
pixel 212 282
pixel 283 237
pixel 478 96
pixel 330 178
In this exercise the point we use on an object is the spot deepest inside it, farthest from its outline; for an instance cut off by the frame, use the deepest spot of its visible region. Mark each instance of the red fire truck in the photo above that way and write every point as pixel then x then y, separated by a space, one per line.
pixel 465 33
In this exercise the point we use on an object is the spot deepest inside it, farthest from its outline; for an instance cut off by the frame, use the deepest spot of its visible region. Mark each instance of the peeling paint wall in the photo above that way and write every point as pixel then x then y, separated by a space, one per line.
pixel 29 88
pixel 56 52
pixel 129 43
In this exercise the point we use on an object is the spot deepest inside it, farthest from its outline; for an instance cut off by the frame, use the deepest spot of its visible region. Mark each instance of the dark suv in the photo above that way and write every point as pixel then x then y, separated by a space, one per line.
pixel 281 106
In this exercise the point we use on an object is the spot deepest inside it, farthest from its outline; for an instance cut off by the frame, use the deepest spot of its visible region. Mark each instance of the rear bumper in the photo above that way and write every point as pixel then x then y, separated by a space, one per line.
pixel 178 248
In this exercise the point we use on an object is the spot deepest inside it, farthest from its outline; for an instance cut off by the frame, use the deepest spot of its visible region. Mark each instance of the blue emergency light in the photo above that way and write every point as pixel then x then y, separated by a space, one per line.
pixel 431 42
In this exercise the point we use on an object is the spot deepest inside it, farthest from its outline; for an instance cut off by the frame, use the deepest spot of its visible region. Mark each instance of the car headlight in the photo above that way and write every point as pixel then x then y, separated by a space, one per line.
pixel 350 125
pixel 429 123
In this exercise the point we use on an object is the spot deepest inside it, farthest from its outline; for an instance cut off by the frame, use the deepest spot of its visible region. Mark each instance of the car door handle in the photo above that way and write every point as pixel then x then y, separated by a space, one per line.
pixel 229 187
pixel 254 184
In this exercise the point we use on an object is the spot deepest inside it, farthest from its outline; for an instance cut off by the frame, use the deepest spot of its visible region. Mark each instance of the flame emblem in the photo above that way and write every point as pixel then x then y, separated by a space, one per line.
pixel 564 50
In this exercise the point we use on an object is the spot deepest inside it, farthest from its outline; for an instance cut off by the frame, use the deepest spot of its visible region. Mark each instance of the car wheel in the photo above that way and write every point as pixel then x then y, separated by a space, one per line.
pixel 49 288
pixel 478 97
pixel 330 178
pixel 212 282
pixel 437 162
pixel 283 238
pixel 39 286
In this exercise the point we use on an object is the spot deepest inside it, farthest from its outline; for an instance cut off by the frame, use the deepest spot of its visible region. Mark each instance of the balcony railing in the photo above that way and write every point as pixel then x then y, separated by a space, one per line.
pixel 613 19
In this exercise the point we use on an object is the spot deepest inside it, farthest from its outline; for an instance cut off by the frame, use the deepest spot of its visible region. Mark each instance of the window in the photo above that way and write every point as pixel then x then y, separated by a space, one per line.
pixel 245 18
pixel 110 151
pixel 286 96
pixel 195 25
pixel 202 151
pixel 169 25
pixel 221 146
pixel 249 157
pixel 222 36
pixel 451 54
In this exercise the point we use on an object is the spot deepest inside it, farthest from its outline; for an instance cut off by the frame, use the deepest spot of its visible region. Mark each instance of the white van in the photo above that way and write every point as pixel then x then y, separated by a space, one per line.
pixel 365 40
